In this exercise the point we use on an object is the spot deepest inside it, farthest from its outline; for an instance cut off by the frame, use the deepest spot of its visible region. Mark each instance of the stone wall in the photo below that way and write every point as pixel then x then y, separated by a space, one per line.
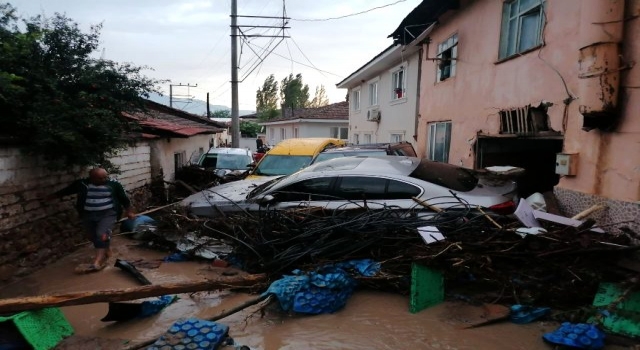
pixel 34 233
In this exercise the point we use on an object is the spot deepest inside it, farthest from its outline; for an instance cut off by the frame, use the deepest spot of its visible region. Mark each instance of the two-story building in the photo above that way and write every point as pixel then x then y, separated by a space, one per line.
pixel 548 85
pixel 383 97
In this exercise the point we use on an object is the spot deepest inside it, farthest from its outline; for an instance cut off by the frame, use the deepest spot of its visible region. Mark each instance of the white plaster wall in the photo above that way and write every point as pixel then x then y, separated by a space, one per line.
pixel 305 129
pixel 163 150
pixel 398 116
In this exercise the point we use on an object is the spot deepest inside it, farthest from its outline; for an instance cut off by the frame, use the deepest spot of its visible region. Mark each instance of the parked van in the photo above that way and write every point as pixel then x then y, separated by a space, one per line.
pixel 291 155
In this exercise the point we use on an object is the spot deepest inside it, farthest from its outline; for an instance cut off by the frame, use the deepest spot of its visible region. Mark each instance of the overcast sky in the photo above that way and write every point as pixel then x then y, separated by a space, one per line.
pixel 187 41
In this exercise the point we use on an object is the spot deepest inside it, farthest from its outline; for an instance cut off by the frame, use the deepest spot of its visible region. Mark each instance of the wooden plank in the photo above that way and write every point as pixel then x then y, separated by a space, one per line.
pixel 14 305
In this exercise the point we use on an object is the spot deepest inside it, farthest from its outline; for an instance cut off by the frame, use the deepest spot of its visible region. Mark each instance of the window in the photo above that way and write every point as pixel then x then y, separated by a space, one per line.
pixel 439 141
pixel 339 133
pixel 396 138
pixel 355 100
pixel 373 94
pixel 367 138
pixel 178 160
pixel 360 187
pixel 522 22
pixel 283 133
pixel 295 133
pixel 447 55
pixel 373 188
pixel 356 139
pixel 312 189
pixel 397 84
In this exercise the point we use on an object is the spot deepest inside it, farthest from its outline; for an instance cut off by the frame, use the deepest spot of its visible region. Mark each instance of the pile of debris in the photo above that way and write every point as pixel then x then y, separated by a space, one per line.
pixel 553 265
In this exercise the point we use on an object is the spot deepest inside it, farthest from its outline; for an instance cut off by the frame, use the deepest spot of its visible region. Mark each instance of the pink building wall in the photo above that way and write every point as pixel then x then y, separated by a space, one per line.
pixel 609 162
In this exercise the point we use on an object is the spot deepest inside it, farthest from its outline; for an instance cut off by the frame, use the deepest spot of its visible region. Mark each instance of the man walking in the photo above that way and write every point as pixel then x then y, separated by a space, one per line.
pixel 100 202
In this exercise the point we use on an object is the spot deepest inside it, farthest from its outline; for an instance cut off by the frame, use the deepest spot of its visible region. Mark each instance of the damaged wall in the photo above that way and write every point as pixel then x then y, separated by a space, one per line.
pixel 608 164
pixel 33 233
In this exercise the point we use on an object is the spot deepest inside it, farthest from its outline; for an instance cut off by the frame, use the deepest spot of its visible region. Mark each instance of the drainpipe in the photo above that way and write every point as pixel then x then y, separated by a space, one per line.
pixel 600 38
pixel 417 113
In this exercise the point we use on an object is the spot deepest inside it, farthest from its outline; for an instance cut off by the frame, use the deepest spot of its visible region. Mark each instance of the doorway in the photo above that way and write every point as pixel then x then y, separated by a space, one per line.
pixel 536 155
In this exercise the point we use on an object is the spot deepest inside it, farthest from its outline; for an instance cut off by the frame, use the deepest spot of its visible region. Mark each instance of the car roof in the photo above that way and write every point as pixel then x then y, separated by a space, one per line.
pixel 225 150
pixel 303 146
pixel 354 149
pixel 397 165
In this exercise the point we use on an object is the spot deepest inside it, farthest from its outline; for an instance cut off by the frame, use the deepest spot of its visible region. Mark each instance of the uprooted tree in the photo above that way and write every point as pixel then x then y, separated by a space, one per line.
pixel 57 101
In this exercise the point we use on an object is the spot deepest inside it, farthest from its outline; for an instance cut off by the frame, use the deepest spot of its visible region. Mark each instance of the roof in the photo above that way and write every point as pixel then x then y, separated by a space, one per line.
pixel 334 111
pixel 421 18
pixel 165 121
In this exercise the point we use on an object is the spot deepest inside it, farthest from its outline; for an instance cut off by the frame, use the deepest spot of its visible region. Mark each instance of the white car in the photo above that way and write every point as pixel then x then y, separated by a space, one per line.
pixel 353 182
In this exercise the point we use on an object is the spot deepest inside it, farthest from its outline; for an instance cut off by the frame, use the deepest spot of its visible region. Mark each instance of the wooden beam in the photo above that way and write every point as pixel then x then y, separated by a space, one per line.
pixel 14 305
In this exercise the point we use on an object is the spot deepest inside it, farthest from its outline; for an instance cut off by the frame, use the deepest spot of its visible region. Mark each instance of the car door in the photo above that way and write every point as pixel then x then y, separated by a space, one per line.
pixel 375 192
pixel 315 192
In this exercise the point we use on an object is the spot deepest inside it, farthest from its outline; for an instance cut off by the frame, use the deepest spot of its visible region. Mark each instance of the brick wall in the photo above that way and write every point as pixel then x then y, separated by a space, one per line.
pixel 33 233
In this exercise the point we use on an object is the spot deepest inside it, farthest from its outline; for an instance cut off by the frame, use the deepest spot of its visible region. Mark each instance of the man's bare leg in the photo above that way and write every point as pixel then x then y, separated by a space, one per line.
pixel 101 257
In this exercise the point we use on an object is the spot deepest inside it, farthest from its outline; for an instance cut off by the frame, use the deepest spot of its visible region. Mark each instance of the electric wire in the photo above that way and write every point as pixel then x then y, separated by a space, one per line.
pixel 345 16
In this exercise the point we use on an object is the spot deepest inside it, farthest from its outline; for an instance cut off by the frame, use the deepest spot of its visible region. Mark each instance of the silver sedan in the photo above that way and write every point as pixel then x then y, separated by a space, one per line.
pixel 364 182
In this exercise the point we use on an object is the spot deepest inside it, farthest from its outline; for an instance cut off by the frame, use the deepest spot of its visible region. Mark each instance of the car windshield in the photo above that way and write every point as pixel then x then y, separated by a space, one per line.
pixel 226 161
pixel 446 175
pixel 272 165
pixel 330 155
pixel 264 187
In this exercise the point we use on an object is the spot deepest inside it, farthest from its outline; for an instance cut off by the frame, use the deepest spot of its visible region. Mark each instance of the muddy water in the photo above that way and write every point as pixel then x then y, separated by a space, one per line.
pixel 371 320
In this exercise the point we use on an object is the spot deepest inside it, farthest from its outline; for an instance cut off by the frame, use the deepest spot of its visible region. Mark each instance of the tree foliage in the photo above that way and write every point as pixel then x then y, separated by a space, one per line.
pixel 267 99
pixel 58 101
pixel 320 98
pixel 249 129
pixel 221 113
pixel 293 92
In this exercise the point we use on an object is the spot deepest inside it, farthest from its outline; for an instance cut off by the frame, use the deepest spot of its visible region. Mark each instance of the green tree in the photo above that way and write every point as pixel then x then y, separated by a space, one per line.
pixel 221 113
pixel 58 101
pixel 267 99
pixel 320 98
pixel 249 129
pixel 293 92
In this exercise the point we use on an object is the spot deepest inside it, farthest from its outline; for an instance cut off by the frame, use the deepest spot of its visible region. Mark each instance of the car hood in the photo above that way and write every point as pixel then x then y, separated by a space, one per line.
pixel 235 191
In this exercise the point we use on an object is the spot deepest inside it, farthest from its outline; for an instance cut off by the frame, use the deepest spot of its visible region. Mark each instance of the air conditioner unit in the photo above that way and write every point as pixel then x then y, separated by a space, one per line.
pixel 373 115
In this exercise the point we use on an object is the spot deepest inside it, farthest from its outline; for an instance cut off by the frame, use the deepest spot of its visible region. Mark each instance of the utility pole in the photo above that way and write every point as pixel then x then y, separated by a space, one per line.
pixel 235 28
pixel 188 85
pixel 235 113
pixel 208 112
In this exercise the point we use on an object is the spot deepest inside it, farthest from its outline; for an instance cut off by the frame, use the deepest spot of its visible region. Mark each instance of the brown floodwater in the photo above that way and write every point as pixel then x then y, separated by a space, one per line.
pixel 370 320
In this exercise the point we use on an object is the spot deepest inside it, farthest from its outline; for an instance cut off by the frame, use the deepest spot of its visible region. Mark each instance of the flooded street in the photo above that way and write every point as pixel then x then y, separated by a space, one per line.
pixel 370 320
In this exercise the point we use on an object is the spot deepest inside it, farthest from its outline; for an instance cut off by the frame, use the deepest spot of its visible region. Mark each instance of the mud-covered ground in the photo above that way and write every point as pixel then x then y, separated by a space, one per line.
pixel 370 320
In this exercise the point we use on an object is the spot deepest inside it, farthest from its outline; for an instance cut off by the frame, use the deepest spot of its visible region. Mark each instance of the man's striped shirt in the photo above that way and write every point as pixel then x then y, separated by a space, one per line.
pixel 98 198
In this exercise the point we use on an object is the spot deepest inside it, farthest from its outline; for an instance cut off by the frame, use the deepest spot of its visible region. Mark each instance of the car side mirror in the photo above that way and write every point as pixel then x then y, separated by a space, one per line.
pixel 266 199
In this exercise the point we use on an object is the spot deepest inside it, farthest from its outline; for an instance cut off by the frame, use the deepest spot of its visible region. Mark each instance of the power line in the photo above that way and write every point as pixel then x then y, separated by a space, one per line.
pixel 300 63
pixel 305 56
pixel 345 16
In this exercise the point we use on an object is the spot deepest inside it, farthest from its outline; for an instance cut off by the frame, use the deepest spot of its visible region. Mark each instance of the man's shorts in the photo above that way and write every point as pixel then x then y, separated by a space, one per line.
pixel 98 225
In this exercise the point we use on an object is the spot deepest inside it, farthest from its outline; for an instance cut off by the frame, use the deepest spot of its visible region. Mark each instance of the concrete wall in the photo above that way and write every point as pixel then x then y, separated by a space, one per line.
pixel 163 151
pixel 609 165
pixel 33 233
pixel 398 116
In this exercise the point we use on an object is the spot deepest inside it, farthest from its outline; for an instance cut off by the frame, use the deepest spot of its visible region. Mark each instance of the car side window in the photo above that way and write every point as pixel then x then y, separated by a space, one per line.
pixel 402 190
pixel 360 187
pixel 312 189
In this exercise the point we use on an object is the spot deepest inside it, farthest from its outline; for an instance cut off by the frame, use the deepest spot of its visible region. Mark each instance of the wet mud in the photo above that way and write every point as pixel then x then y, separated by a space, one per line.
pixel 370 320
